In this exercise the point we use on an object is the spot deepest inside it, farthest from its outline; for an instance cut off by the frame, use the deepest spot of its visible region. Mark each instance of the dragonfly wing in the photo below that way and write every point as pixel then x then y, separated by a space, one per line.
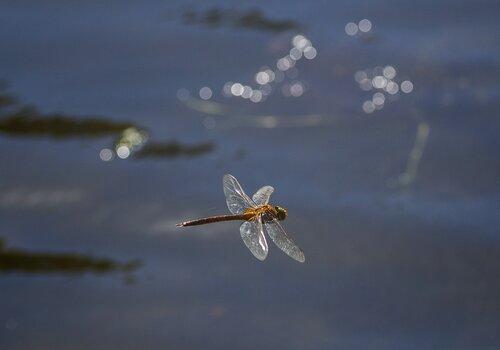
pixel 283 240
pixel 252 234
pixel 236 199
pixel 261 197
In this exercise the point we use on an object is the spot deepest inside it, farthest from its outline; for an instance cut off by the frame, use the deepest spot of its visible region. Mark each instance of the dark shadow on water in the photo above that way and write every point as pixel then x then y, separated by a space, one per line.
pixel 19 120
pixel 29 122
pixel 16 260
pixel 251 19
pixel 173 149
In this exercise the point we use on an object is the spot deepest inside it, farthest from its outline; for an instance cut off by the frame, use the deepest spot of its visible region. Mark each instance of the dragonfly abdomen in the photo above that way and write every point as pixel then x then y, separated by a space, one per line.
pixel 218 218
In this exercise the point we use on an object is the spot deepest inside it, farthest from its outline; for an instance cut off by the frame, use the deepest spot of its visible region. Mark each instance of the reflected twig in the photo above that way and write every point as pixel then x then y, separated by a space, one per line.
pixel 16 260
pixel 251 19
pixel 173 149
pixel 409 175
pixel 207 107
pixel 20 120
pixel 27 121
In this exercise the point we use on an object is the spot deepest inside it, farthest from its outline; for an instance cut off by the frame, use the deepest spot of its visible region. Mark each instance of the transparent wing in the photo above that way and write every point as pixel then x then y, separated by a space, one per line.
pixel 283 240
pixel 261 197
pixel 252 234
pixel 236 199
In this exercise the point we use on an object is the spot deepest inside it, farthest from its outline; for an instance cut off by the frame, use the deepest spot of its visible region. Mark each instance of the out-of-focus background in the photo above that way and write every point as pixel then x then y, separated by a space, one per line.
pixel 377 123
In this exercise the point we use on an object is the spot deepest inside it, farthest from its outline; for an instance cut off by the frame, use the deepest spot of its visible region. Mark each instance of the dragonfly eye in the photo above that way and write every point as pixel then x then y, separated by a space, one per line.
pixel 280 213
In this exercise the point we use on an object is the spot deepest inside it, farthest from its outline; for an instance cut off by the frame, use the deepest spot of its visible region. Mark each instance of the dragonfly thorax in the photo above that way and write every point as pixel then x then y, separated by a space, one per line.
pixel 268 212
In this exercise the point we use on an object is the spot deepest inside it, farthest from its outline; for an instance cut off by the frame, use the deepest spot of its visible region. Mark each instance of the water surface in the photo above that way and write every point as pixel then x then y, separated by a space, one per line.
pixel 396 210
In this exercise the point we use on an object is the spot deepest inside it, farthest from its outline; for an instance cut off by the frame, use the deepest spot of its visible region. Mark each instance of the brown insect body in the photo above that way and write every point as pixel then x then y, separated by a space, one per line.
pixel 258 218
pixel 265 210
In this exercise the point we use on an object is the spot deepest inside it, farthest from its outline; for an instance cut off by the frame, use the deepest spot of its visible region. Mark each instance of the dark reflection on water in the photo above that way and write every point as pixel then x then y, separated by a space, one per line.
pixel 173 149
pixel 17 260
pixel 251 19
pixel 26 121
pixel 22 120
pixel 29 122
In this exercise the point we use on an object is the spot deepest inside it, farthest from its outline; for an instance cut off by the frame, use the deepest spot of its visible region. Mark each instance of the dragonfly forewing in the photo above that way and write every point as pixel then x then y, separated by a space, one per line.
pixel 261 197
pixel 236 199
pixel 252 234
pixel 283 240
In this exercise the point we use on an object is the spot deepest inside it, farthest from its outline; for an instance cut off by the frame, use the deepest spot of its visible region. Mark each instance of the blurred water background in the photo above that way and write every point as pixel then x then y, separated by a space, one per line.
pixel 378 127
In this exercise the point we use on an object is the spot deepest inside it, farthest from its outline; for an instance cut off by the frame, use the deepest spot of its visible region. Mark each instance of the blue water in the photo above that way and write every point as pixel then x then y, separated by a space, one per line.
pixel 389 264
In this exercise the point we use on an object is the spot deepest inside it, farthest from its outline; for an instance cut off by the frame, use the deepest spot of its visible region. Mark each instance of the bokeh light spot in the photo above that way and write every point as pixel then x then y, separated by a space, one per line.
pixel 295 53
pixel 407 86
pixel 368 107
pixel 392 88
pixel 247 92
pixel 123 152
pixel 365 25
pixel 262 78
pixel 310 53
pixel 205 93
pixel 106 154
pixel 378 99
pixel 379 82
pixel 360 75
pixel 296 89
pixel 351 28
pixel 389 72
pixel 366 85
pixel 237 89
pixel 256 96
pixel 183 94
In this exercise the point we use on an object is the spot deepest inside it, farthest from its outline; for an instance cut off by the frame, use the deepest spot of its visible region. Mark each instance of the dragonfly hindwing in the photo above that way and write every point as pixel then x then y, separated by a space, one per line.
pixel 252 234
pixel 283 240
pixel 261 197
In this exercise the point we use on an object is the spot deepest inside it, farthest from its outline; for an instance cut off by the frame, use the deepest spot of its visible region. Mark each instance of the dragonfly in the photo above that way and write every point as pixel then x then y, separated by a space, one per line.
pixel 256 214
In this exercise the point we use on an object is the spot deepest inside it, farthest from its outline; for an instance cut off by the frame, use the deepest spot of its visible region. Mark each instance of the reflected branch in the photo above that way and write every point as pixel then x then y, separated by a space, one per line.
pixel 409 175
pixel 251 19
pixel 173 149
pixel 16 260
pixel 21 120
pixel 27 121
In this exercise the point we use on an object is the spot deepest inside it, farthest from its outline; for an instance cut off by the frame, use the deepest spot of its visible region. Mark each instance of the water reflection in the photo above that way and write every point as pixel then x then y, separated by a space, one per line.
pixel 411 268
pixel 26 121
pixel 382 79
pixel 251 19
pixel 267 80
pixel 409 175
pixel 39 198
pixel 129 141
pixel 18 260
pixel 174 149
pixel 17 119
pixel 270 121
pixel 207 107
pixel 362 30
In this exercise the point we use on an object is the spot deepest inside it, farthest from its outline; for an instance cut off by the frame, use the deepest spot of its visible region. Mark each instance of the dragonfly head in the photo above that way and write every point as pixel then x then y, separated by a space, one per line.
pixel 280 213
